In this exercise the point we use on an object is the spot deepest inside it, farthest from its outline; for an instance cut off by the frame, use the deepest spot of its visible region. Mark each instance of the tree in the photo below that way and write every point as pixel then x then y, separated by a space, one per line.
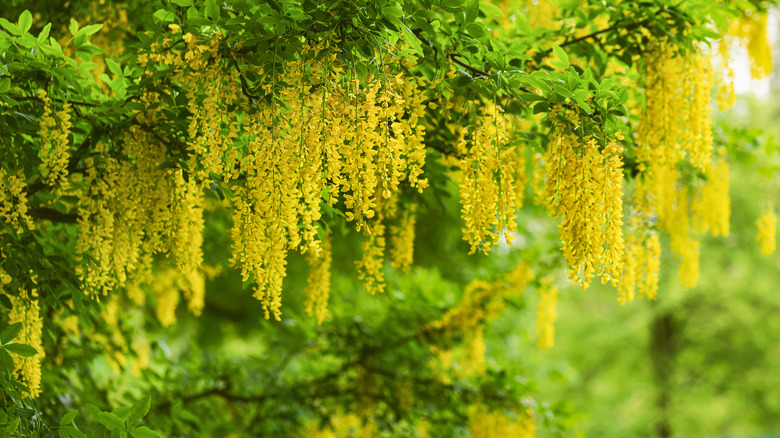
pixel 703 352
pixel 156 150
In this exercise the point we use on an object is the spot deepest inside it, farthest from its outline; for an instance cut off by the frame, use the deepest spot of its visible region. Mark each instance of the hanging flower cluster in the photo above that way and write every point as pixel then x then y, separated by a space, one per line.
pixel 481 302
pixel 749 30
pixel 55 148
pixel 642 261
pixel 491 179
pixel 767 229
pixel 486 423
pixel 26 311
pixel 584 187
pixel 318 283
pixel 676 129
pixel 13 201
pixel 327 132
pixel 546 313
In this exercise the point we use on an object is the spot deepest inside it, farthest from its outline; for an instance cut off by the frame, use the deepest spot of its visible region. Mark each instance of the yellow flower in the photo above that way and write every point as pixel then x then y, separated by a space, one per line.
pixel 546 314
pixel 492 179
pixel 584 187
pixel 55 150
pixel 13 201
pixel 402 240
pixel 751 30
pixel 318 283
pixel 25 310
pixel 642 262
pixel 486 423
pixel 767 227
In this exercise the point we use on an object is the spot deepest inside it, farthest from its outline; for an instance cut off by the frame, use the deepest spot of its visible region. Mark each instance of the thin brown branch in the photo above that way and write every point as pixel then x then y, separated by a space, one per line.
pixel 618 26
pixel 38 99
pixel 52 215
pixel 475 71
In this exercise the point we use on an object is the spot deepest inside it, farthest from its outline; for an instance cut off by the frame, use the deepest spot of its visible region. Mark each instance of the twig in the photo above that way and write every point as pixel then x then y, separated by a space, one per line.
pixel 72 102
pixel 52 215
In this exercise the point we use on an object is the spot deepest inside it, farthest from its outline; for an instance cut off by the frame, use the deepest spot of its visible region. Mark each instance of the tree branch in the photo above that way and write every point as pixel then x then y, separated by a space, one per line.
pixel 475 71
pixel 618 26
pixel 52 215
pixel 55 99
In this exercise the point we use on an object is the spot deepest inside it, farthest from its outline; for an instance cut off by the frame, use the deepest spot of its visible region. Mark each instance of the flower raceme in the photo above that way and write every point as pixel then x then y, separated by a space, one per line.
pixel 55 150
pixel 584 188
pixel 491 178
pixel 676 129
pixel 767 229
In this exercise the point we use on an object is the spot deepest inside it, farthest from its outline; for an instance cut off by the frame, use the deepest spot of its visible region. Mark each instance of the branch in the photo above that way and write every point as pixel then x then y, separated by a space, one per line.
pixel 55 99
pixel 52 215
pixel 475 71
pixel 72 168
pixel 608 29
pixel 244 85
pixel 447 153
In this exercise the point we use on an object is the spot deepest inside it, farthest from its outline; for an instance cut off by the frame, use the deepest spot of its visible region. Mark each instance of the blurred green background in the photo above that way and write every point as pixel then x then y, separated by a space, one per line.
pixel 703 362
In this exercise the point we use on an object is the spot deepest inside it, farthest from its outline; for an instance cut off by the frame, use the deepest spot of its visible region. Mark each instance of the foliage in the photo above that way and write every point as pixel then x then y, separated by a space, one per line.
pixel 161 151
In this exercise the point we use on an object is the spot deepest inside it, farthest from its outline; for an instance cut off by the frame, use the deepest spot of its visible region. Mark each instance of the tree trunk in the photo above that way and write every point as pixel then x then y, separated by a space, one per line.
pixel 662 353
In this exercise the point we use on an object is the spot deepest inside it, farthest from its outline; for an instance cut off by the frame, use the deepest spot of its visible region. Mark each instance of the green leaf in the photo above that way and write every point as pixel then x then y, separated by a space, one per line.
pixel 212 9
pixel 541 107
pixel 89 30
pixel 122 412
pixel 5 85
pixel 73 432
pixel 12 428
pixel 472 11
pixel 531 97
pixel 73 27
pixel 88 65
pixel 560 54
pixel 411 39
pixel 10 27
pixel 113 67
pixel 44 35
pixel 139 409
pixel 21 349
pixel 26 413
pixel 563 91
pixel 709 33
pixel 476 30
pixel 144 432
pixel 182 3
pixel 92 410
pixel 393 11
pixel 164 16
pixel 490 10
pixel 584 105
pixel 6 362
pixel 111 421
pixel 25 21
pixel 55 46
pixel 68 418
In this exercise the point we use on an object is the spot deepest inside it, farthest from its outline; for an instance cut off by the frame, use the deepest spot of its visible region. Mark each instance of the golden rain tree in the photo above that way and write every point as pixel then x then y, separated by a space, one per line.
pixel 161 160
